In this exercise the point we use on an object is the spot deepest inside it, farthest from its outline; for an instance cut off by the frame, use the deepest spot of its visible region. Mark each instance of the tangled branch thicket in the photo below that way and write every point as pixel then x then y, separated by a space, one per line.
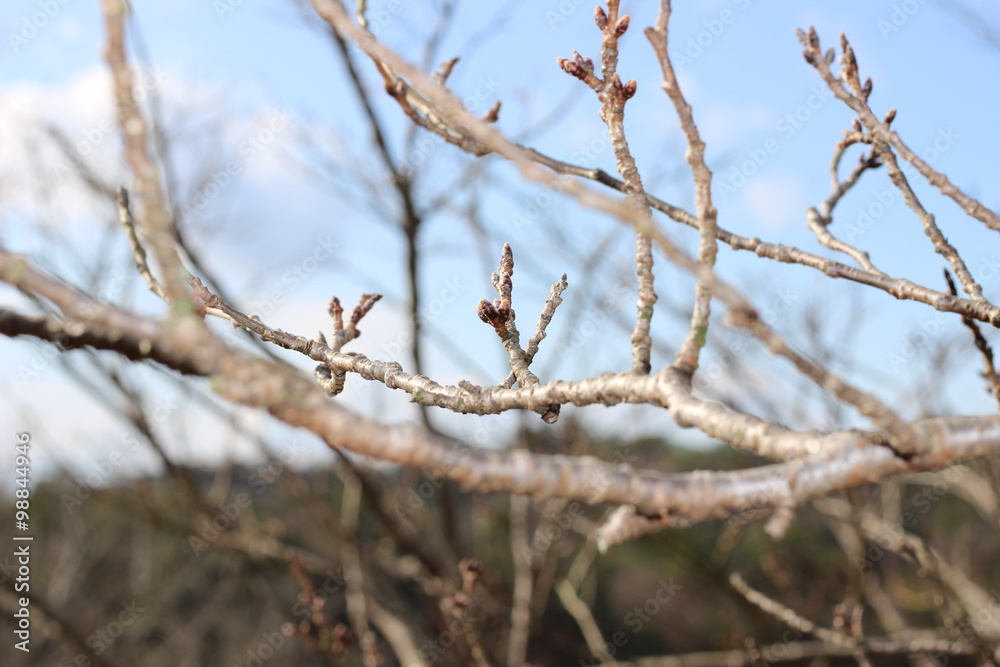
pixel 805 472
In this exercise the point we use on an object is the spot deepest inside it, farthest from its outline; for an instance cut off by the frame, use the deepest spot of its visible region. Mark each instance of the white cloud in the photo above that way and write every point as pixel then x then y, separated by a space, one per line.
pixel 32 165
pixel 36 174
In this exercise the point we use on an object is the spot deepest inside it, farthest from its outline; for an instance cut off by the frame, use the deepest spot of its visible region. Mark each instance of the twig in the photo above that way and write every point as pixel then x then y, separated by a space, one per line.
pixel 581 613
pixel 945 578
pixel 520 607
pixel 858 101
pixel 903 440
pixel 397 633
pixel 789 617
pixel 613 95
pixel 846 458
pixel 153 218
pixel 138 252
pixel 451 109
pixel 354 576
pixel 881 131
pixel 331 380
pixel 838 460
pixel 470 569
pixel 687 357
pixel 899 288
pixel 780 652
pixel 624 525
pixel 819 220
pixel 553 302
pixel 990 371
pixel 72 336
pixel 500 315
pixel 455 124
pixel 447 110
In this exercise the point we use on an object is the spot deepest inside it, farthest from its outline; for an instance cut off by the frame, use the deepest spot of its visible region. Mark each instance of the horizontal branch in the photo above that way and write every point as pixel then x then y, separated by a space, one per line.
pixel 904 645
pixel 837 461
pixel 900 288
pixel 72 336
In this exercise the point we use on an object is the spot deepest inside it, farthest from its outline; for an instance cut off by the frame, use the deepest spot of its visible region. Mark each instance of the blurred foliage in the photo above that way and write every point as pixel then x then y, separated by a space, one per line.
pixel 136 570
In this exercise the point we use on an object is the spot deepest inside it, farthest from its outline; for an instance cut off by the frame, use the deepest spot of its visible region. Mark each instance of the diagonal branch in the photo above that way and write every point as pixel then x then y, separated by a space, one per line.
pixel 548 311
pixel 881 131
pixel 983 345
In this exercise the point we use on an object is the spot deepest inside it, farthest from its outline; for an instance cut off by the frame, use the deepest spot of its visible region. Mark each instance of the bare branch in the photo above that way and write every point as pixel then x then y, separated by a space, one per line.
pixel 881 131
pixel 789 617
pixel 990 371
pixel 548 311
pixel 819 220
pixel 138 252
pixel 839 460
pixel 687 356
pixel 500 315
pixel 154 220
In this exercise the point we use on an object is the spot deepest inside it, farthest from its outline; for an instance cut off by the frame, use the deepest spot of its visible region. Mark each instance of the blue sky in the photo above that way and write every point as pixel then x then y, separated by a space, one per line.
pixel 251 88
